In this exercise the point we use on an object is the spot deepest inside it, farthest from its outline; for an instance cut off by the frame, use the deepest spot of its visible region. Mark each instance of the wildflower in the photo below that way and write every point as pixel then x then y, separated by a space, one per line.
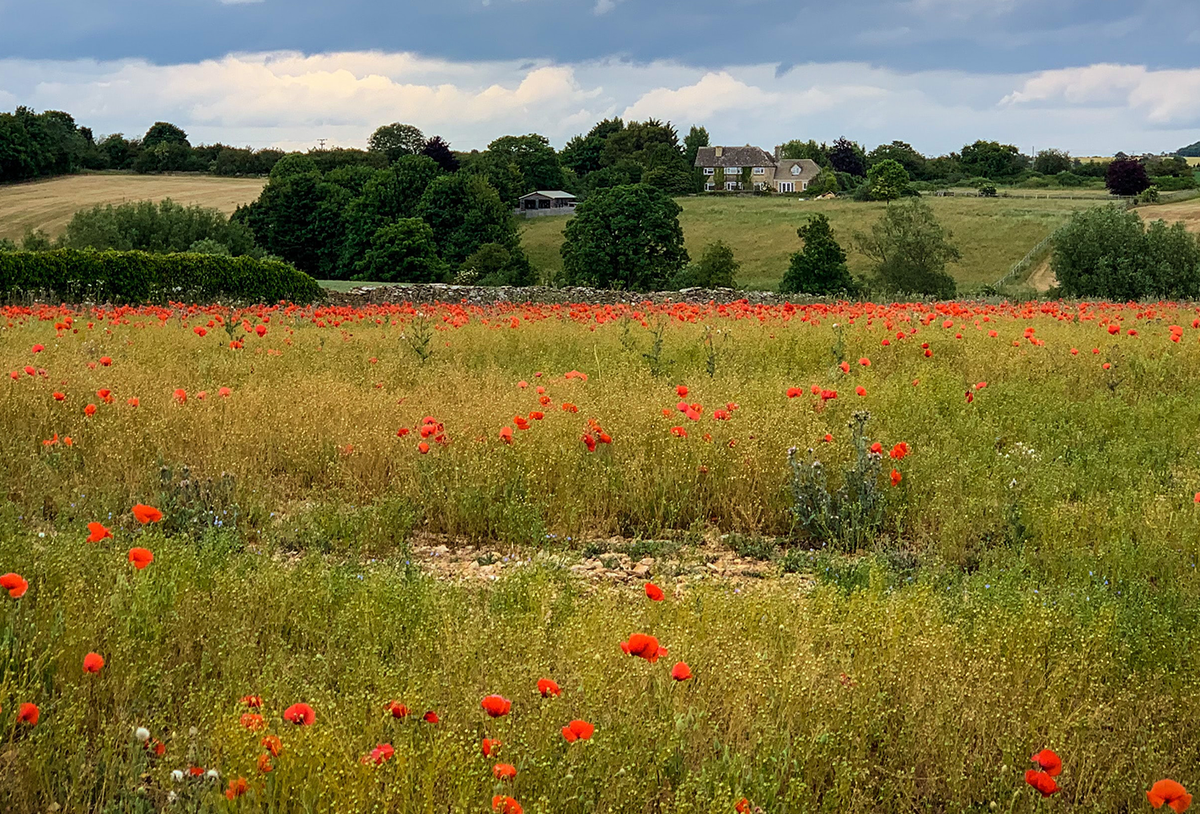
pixel 1041 781
pixel 272 744
pixel 132 402
pixel 877 448
pixel 505 805
pixel 237 788
pixel 1171 793
pixel 264 763
pixel 397 709
pixel 60 396
pixel 654 592
pixel 211 774
pixel 970 397
pixel 140 557
pixel 301 714
pixel 89 410
pixel 860 390
pixel 252 701
pixel 423 448
pixel 105 361
pixel 431 717
pixel 827 395
pixel 643 646
pixel 793 392
pixel 261 330
pixel 682 391
pixel 548 687
pixel 177 775
pixel 28 714
pixel 30 370
pixel 252 721
pixel 158 749
pixel 146 514
pixel 93 663
pixel 142 734
pixel 679 432
pixel 896 477
pixel 489 746
pixel 681 672
pixel 14 584
pixel 899 451
pixel 845 366
pixel 496 706
pixel 504 771
pixel 743 806
pixel 506 435
pixel 180 395
pixel 224 392
pixel 1048 762
pixel 382 752
pixel 38 348
pixel 97 532
pixel 578 730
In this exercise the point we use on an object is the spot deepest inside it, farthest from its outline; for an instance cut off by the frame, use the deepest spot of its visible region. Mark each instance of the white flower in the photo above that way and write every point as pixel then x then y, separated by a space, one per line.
pixel 171 797
pixel 177 776
pixel 213 774
pixel 142 734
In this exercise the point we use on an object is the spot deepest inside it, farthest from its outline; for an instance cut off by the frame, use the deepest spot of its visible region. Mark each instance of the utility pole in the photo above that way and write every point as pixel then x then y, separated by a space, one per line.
pixel 321 144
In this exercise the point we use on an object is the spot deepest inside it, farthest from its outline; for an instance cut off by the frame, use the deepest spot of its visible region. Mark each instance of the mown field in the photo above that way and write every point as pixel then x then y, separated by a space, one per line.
pixel 1011 568
pixel 49 205
pixel 992 234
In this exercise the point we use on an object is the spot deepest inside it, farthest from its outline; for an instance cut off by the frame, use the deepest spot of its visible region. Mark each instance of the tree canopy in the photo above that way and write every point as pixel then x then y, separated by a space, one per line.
pixel 395 140
pixel 819 268
pixel 910 251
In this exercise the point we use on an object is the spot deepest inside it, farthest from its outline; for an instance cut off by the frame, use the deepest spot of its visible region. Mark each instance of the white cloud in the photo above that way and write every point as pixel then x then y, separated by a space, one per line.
pixel 291 100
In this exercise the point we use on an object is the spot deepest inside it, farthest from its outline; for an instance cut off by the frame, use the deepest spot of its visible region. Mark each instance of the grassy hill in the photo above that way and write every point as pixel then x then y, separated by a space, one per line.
pixel 49 205
pixel 992 233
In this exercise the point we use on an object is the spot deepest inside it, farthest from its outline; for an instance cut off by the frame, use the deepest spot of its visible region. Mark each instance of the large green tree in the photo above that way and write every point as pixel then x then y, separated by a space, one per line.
pixel 910 250
pixel 390 195
pixel 807 149
pixel 395 140
pixel 625 237
pixel 887 180
pixel 300 218
pixel 819 268
pixel 990 159
pixel 465 212
pixel 902 153
pixel 533 156
pixel 402 252
pixel 164 133
pixel 848 157
pixel 1052 162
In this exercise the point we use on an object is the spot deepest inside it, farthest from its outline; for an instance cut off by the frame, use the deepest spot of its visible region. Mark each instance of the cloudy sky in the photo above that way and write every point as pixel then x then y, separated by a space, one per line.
pixel 1090 76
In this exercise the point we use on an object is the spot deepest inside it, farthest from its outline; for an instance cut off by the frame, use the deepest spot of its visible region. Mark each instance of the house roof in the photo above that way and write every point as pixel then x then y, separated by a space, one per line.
pixel 548 193
pixel 734 157
pixel 809 169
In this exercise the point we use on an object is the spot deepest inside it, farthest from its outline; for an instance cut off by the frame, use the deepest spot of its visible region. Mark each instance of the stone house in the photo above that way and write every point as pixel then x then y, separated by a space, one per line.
pixel 728 167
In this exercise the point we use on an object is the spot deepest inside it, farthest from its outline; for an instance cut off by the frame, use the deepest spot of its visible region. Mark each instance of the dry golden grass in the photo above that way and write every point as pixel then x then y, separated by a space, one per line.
pixel 1186 211
pixel 49 205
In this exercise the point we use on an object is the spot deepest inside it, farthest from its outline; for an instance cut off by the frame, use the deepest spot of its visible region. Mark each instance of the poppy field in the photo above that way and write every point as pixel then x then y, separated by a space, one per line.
pixel 976 528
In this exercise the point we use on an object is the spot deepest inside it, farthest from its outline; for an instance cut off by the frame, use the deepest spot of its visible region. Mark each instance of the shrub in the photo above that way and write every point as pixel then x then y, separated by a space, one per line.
pixel 716 268
pixel 162 227
pixel 910 250
pixel 493 264
pixel 138 277
pixel 820 267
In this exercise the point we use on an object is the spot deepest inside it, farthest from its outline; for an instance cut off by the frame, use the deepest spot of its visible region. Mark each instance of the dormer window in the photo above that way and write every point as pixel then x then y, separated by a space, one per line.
pixel 796 169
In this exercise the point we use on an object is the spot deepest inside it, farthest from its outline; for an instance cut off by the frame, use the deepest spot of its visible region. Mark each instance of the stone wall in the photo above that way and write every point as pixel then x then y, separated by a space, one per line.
pixel 488 295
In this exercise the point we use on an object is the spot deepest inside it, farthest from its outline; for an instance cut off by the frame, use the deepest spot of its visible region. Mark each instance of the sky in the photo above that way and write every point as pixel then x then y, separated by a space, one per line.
pixel 1089 76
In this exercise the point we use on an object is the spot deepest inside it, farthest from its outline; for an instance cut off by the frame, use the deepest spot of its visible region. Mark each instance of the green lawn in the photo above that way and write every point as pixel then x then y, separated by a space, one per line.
pixel 992 234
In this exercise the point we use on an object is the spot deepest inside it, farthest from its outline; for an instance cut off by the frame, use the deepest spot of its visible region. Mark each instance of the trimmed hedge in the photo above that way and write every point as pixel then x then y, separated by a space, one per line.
pixel 140 277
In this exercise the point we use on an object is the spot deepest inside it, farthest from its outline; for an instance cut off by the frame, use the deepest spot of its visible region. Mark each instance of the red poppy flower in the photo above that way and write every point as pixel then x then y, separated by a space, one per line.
pixel 89 410
pixel 252 701
pixel 1171 793
pixel 489 746
pixel 180 395
pixel 506 434
pixel 423 448
pixel 742 806
pixel 896 478
pixel 140 557
pixel 60 396
pixel 504 771
pixel 382 752
pixel 643 646
pixel 301 714
pixel 398 710
pixel 899 451
pixel 28 714
pixel 146 514
pixel 681 672
pixel 30 370
pixel 105 360
pixel 132 402
pixel 93 663
pixel 1041 781
pixel 272 744
pixel 264 764
pixel 237 788
pixel 654 592
pixel 679 432
pixel 97 532
pixel 548 687
pixel 860 390
pixel 578 731
pixel 865 362
pixel 682 390
pixel 38 348
pixel 505 805
pixel 431 717
pixel 1048 762
pixel 261 330
pixel 14 584
pixel 845 366
pixel 495 705
pixel 252 721
pixel 827 395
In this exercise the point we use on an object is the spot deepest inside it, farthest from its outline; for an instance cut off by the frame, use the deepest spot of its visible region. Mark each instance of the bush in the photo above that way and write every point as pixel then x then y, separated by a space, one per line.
pixel 987 191
pixel 493 264
pixel 1108 252
pixel 820 267
pixel 139 277
pixel 161 228
pixel 716 268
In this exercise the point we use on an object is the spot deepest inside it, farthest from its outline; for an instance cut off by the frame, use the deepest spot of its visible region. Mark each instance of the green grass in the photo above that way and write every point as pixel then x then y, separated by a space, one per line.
pixel 346 285
pixel 992 234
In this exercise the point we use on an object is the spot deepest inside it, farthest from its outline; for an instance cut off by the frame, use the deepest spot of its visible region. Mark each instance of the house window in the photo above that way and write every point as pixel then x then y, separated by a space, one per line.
pixel 796 169
pixel 732 185
pixel 732 170
pixel 760 170
pixel 709 187
pixel 787 186
pixel 804 185
pixel 709 170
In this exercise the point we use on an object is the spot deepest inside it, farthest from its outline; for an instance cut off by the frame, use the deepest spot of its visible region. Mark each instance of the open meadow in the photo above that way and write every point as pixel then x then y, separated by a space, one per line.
pixel 280 559
pixel 49 205
pixel 992 233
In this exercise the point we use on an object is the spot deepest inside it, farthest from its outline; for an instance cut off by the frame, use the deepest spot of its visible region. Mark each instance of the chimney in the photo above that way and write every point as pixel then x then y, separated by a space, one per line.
pixel 719 151
pixel 778 152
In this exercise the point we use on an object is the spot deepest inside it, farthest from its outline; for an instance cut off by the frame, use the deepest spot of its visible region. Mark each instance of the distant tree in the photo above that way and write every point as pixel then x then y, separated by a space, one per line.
pixel 1126 176
pixel 585 154
pixel 328 160
pixel 990 159
pixel 465 212
pixel 500 171
pixel 716 268
pixel 395 140
pixel 825 182
pixel 626 237
pixel 807 149
pixel 846 156
pixel 437 149
pixel 353 177
pixel 293 164
pixel 1052 162
pixel 35 240
pixel 902 153
pixel 910 250
pixel 1169 166
pixel 300 218
pixel 672 180
pixel 888 179
pixel 391 195
pixel 118 151
pixel 696 138
pixel 1191 151
pixel 1107 252
pixel 402 252
pixel 209 246
pixel 819 268
pixel 534 158
pixel 651 143
pixel 165 156
pixel 161 227
pixel 493 264
pixel 164 133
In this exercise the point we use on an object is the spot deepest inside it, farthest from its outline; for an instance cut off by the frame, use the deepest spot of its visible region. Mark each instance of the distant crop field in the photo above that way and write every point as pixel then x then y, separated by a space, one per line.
pixel 992 233
pixel 1091 159
pixel 49 205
